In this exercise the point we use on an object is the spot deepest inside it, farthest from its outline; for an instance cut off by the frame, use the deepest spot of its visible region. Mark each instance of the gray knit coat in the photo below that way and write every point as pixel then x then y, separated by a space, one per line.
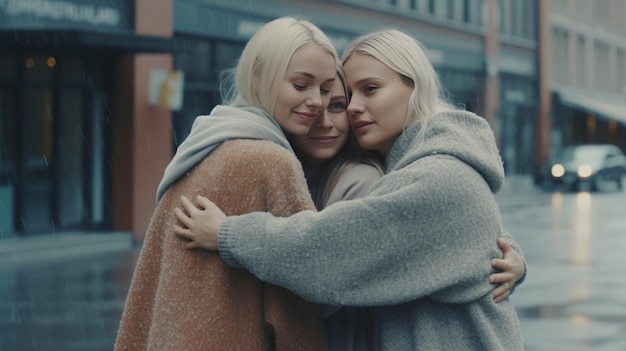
pixel 418 245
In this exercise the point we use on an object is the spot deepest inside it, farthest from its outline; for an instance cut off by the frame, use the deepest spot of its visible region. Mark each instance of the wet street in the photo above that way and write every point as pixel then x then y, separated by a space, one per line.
pixel 64 302
pixel 574 297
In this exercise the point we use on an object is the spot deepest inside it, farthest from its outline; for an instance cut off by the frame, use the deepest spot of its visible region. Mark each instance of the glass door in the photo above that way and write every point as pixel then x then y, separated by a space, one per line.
pixel 36 160
pixel 61 159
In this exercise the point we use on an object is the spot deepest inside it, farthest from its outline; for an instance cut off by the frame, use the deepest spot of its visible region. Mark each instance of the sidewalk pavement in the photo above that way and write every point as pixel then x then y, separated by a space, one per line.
pixel 64 291
pixel 24 250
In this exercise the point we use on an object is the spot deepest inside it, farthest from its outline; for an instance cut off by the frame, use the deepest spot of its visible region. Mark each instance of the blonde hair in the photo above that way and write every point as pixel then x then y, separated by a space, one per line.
pixel 262 66
pixel 406 56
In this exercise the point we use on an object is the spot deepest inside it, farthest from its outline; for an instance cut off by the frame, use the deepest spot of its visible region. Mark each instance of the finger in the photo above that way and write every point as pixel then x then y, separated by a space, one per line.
pixel 181 231
pixel 501 289
pixel 500 264
pixel 204 202
pixel 498 296
pixel 504 245
pixel 499 278
pixel 190 245
pixel 188 205
pixel 183 217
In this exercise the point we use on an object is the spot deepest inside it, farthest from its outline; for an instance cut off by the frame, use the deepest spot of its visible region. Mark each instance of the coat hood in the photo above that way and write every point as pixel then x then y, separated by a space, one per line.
pixel 460 134
pixel 210 131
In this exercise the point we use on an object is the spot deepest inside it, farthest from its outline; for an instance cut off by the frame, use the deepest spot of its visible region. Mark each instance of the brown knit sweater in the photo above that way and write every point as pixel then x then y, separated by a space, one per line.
pixel 190 300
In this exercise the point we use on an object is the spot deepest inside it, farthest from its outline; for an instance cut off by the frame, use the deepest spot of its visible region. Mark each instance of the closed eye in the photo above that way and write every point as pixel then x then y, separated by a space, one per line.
pixel 370 89
pixel 326 87
pixel 300 87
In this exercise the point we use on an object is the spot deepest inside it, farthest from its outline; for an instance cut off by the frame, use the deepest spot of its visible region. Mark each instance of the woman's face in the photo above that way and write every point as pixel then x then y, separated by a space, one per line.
pixel 305 91
pixel 329 131
pixel 379 104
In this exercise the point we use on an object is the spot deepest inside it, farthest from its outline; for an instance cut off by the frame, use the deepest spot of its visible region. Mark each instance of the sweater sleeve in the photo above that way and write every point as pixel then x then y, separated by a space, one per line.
pixel 427 230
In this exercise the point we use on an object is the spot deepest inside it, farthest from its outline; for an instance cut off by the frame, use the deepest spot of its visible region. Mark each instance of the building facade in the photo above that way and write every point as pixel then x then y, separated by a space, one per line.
pixel 80 148
pixel 588 72
pixel 84 148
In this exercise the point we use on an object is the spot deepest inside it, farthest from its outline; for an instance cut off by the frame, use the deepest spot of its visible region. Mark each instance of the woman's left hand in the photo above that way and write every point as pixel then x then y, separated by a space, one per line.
pixel 510 269
pixel 200 223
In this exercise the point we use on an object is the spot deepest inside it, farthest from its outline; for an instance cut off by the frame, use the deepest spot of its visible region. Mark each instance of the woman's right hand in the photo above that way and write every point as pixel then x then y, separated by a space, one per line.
pixel 200 223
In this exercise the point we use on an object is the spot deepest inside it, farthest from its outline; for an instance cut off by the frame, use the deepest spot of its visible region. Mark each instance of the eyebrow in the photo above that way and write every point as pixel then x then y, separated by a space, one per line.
pixel 309 75
pixel 362 80
pixel 306 74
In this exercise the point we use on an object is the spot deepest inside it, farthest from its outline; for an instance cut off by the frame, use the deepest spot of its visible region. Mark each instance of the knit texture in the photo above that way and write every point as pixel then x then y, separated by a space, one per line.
pixel 189 299
pixel 418 245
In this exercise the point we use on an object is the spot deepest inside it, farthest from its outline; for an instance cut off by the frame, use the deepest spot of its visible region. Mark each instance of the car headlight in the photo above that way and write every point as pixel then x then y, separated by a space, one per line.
pixel 557 170
pixel 584 171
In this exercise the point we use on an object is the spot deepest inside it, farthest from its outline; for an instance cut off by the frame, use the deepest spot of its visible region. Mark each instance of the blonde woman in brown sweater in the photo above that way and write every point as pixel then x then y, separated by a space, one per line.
pixel 238 156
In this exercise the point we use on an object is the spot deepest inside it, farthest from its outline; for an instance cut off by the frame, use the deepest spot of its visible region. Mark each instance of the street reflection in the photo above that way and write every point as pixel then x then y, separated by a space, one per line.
pixel 556 202
pixel 581 256
pixel 573 298
pixel 578 236
pixel 69 304
pixel 579 319
pixel 581 229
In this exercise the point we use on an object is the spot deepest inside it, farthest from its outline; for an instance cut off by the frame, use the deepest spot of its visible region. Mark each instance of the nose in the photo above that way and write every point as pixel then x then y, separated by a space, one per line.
pixel 355 107
pixel 323 121
pixel 315 99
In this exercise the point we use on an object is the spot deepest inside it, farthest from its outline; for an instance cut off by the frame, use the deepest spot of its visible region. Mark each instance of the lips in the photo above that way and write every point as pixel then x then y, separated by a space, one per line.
pixel 307 116
pixel 361 126
pixel 325 139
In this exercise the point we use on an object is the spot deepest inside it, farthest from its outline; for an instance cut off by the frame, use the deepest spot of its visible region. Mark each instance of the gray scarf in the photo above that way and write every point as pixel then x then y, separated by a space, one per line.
pixel 208 132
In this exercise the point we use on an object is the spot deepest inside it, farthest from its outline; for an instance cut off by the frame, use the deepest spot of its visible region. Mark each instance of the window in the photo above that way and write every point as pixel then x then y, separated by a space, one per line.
pixel 194 58
pixel 620 71
pixel 203 62
pixel 560 57
pixel 581 63
pixel 601 74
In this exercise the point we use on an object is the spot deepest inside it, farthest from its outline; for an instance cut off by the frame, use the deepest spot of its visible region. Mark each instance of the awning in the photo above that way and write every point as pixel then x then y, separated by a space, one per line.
pixel 601 106
pixel 71 40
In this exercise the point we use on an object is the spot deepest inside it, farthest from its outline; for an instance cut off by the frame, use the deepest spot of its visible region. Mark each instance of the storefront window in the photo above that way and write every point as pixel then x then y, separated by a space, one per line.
pixel 52 147
pixel 8 72
pixel 226 56
pixel 203 61
pixel 194 58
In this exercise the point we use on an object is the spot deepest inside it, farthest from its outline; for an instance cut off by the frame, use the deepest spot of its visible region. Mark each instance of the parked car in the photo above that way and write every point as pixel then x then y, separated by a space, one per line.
pixel 583 167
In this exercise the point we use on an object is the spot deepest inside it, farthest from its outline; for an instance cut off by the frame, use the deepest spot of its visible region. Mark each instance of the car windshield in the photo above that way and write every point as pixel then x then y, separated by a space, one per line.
pixel 582 154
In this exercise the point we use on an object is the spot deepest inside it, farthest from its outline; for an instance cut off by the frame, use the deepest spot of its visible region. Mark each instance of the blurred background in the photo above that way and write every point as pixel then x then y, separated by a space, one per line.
pixel 95 96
